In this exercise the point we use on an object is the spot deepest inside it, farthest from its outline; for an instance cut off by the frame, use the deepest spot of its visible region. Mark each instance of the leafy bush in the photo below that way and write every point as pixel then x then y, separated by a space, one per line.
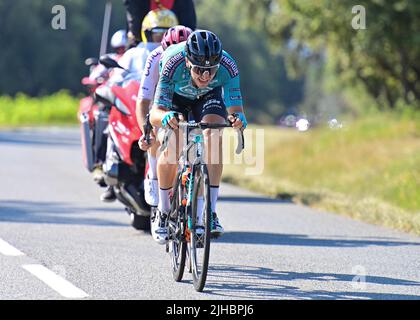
pixel 59 108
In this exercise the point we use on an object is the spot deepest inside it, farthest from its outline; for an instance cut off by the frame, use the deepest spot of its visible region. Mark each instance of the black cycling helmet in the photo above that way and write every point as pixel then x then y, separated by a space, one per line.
pixel 203 48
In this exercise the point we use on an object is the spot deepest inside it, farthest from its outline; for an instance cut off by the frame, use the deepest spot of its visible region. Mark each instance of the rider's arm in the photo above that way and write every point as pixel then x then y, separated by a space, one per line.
pixel 160 115
pixel 240 121
pixel 233 97
pixel 149 80
pixel 156 115
pixel 229 74
pixel 142 109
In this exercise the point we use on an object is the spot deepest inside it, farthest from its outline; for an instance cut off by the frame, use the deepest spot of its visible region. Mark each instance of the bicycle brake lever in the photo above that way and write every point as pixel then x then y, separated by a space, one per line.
pixel 241 141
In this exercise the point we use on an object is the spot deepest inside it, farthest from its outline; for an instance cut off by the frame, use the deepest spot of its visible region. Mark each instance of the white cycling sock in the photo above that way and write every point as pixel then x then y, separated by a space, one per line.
pixel 214 194
pixel 164 200
pixel 200 205
pixel 152 172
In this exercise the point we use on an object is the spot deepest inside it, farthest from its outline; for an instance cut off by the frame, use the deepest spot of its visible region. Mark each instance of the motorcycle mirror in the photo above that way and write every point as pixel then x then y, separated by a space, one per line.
pixel 91 61
pixel 109 63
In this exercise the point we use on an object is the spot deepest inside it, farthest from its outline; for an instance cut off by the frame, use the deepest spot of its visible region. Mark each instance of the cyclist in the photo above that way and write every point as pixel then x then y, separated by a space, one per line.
pixel 154 26
pixel 148 84
pixel 200 77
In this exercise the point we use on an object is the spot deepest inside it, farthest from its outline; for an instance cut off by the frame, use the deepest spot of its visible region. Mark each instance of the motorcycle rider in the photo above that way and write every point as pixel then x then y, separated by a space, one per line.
pixel 148 84
pixel 154 26
pixel 137 10
pixel 118 44
pixel 101 74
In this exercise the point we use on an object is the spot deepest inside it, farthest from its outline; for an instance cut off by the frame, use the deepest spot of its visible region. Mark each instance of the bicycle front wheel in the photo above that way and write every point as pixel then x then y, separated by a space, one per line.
pixel 200 231
pixel 176 229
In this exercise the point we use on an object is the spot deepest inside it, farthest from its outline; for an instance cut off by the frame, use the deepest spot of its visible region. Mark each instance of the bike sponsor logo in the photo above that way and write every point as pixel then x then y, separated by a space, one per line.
pixel 230 65
pixel 171 65
pixel 147 67
pixel 153 56
pixel 212 103
pixel 235 94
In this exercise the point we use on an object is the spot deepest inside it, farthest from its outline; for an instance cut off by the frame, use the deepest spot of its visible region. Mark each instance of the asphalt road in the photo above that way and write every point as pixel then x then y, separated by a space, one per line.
pixel 58 241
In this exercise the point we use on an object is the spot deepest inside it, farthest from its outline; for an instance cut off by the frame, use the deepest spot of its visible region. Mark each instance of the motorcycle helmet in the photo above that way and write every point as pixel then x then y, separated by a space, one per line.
pixel 157 21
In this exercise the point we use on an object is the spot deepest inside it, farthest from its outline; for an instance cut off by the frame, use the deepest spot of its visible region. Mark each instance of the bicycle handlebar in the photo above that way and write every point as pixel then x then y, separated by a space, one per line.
pixel 147 128
pixel 203 125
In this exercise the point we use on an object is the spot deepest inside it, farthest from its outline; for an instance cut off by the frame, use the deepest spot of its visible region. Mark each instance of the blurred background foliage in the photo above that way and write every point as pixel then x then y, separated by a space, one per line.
pixel 299 56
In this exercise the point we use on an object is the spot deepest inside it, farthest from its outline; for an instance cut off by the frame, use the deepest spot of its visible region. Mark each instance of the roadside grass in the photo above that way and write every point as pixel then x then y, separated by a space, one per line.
pixel 57 109
pixel 369 169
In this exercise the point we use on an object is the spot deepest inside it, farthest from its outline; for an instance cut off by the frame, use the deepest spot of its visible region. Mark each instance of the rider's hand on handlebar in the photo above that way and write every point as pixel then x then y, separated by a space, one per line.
pixel 143 143
pixel 237 120
pixel 170 120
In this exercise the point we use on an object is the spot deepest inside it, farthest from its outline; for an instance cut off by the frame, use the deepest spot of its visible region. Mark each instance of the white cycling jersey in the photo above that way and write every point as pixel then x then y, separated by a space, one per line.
pixel 150 75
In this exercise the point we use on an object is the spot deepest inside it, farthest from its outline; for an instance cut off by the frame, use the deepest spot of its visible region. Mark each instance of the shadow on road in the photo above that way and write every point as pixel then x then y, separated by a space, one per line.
pixel 242 199
pixel 304 240
pixel 249 282
pixel 38 138
pixel 54 213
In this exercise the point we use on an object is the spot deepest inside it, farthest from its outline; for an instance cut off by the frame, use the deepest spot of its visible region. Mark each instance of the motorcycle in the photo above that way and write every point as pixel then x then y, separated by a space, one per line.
pixel 92 121
pixel 125 163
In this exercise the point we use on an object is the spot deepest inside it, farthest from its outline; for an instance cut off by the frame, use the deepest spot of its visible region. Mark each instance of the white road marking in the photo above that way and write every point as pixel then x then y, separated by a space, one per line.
pixel 55 282
pixel 9 250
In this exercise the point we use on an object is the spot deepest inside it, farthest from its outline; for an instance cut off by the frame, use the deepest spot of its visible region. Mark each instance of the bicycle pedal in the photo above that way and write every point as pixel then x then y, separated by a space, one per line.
pixel 215 235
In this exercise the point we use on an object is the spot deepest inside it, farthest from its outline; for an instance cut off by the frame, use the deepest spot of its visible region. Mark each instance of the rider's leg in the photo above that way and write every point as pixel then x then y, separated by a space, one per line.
pixel 166 172
pixel 214 156
pixel 151 187
pixel 212 109
pixel 152 158
pixel 166 168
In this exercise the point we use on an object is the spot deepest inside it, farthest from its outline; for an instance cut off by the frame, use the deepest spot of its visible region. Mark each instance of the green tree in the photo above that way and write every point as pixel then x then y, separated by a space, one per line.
pixel 267 89
pixel 37 59
pixel 384 57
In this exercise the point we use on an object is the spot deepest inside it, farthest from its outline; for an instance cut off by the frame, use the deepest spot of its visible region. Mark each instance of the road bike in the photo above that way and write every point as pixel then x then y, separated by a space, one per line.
pixel 188 230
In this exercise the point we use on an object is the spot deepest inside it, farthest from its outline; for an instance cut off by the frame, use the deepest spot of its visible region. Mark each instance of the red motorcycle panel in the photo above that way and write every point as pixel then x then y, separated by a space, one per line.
pixel 124 128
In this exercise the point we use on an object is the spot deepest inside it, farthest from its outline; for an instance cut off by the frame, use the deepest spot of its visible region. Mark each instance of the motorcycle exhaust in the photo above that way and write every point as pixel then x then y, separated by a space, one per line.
pixel 101 125
pixel 132 202
pixel 110 166
pixel 86 142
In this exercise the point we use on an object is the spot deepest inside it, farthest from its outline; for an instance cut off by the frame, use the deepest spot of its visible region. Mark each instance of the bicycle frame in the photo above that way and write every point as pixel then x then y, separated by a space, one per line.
pixel 183 235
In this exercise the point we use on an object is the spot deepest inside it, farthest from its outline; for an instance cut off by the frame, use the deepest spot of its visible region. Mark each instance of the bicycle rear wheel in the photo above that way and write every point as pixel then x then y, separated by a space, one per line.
pixel 176 229
pixel 200 235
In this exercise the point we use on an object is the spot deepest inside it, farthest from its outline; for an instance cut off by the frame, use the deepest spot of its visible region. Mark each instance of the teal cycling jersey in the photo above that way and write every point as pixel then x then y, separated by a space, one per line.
pixel 175 77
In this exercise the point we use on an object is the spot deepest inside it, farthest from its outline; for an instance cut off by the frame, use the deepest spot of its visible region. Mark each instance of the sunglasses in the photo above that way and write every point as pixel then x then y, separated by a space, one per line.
pixel 158 31
pixel 201 70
